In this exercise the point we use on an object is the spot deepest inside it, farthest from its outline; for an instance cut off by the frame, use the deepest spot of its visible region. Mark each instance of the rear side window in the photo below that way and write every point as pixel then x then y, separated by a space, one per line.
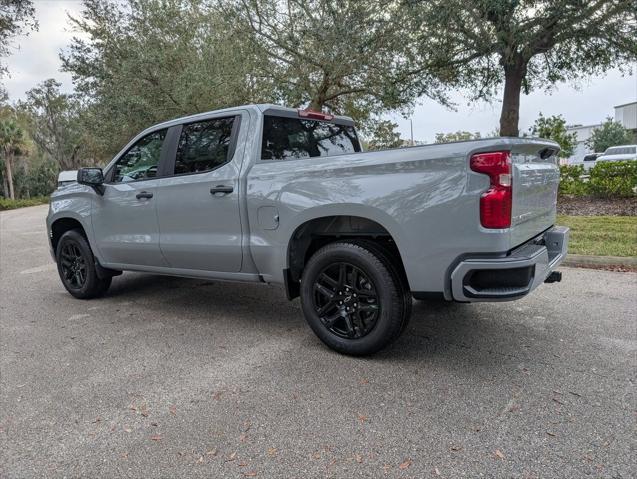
pixel 203 146
pixel 293 138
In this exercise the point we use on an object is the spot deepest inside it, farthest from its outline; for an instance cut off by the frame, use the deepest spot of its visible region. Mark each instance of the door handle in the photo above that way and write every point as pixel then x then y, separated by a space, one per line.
pixel 144 194
pixel 221 189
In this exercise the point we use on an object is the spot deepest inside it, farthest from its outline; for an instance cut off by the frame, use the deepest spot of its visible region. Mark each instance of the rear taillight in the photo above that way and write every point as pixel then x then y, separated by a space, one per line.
pixel 495 203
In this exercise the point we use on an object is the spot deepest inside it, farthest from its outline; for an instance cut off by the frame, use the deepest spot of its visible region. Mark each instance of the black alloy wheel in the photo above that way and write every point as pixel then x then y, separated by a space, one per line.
pixel 346 301
pixel 353 297
pixel 73 265
pixel 77 266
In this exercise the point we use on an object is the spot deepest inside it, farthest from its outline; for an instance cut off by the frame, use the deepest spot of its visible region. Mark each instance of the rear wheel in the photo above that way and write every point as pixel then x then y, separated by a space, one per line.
pixel 76 267
pixel 353 299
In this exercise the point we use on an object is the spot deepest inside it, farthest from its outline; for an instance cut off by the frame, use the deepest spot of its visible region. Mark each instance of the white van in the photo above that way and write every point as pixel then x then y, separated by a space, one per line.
pixel 67 177
pixel 619 153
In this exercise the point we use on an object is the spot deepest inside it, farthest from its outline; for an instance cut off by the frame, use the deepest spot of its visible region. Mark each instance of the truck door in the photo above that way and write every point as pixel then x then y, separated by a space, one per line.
pixel 124 217
pixel 198 197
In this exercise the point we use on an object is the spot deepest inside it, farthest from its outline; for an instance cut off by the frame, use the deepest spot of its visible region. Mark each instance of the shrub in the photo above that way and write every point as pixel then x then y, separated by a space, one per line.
pixel 570 180
pixel 8 204
pixel 613 179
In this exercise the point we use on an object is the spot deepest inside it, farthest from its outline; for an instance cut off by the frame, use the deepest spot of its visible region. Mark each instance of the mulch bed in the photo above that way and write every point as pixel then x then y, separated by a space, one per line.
pixel 603 267
pixel 590 206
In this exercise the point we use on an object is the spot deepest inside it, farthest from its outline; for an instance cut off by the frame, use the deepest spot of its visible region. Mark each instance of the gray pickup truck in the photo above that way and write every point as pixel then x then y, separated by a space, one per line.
pixel 267 194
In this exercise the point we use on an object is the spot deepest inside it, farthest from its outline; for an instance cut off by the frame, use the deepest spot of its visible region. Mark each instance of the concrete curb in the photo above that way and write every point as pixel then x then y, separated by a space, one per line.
pixel 600 261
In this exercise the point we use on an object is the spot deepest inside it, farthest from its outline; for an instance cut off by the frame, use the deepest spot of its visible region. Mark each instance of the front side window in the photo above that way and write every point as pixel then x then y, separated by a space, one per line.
pixel 293 138
pixel 141 160
pixel 203 146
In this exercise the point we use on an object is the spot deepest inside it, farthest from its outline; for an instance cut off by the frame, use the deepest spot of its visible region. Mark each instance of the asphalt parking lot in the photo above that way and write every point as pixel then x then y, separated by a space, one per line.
pixel 168 377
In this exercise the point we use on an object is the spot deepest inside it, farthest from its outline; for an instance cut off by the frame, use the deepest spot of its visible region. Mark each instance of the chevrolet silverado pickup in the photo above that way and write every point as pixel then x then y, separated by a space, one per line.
pixel 267 194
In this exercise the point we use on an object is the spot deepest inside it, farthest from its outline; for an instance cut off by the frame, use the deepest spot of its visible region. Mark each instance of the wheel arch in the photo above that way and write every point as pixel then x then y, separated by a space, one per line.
pixel 315 232
pixel 64 224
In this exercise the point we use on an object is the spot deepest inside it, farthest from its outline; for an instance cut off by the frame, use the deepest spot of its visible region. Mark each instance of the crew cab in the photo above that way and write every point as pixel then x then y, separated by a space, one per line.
pixel 267 194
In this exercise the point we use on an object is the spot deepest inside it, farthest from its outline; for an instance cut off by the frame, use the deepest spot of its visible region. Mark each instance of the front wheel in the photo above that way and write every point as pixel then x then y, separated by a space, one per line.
pixel 353 299
pixel 76 267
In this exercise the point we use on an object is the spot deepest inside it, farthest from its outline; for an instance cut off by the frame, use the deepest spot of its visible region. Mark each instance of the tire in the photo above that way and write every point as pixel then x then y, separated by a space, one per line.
pixel 76 267
pixel 390 260
pixel 362 276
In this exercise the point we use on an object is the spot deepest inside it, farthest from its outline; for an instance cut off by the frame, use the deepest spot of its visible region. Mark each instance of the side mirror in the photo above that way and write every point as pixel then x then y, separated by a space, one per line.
pixel 93 177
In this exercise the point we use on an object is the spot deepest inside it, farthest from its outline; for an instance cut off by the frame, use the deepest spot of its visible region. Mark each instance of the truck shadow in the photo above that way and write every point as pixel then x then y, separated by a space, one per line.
pixel 488 333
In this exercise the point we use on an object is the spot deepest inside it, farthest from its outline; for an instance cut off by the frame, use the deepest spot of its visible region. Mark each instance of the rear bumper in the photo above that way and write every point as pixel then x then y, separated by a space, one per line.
pixel 512 276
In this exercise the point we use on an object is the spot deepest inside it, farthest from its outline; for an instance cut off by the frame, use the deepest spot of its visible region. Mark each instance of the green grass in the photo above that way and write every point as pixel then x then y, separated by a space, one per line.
pixel 7 204
pixel 601 235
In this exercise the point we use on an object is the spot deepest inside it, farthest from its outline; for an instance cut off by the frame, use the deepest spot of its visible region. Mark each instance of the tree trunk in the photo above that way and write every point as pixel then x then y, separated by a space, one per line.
pixel 7 164
pixel 316 104
pixel 510 115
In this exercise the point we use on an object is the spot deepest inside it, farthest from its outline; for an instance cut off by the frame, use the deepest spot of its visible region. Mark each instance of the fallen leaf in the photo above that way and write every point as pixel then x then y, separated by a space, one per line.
pixel 499 454
pixel 358 458
pixel 242 464
pixel 386 468
pixel 173 409
pixel 317 455
pixel 246 426
pixel 156 437
pixel 250 474
pixel 124 455
pixel 436 471
pixel 272 451
pixel 97 419
pixel 405 464
pixel 212 452
pixel 217 396
pixel 127 429
pixel 200 460
pixel 362 418
pixel 550 434
pixel 232 457
pixel 364 381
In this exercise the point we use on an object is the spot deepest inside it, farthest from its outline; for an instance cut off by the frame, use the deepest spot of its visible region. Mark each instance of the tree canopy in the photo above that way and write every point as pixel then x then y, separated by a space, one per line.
pixel 611 133
pixel 144 61
pixel 350 57
pixel 53 119
pixel 554 128
pixel 516 46
pixel 17 17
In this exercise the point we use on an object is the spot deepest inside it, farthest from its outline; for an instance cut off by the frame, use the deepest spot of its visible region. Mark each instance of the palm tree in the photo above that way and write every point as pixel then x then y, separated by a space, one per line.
pixel 11 144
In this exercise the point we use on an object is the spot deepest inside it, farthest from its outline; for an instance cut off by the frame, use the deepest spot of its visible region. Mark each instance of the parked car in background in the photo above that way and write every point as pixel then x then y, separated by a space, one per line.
pixel 590 160
pixel 67 177
pixel 619 153
pixel 267 194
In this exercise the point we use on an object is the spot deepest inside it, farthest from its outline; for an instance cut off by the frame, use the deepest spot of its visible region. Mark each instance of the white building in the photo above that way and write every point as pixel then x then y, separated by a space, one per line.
pixel 625 114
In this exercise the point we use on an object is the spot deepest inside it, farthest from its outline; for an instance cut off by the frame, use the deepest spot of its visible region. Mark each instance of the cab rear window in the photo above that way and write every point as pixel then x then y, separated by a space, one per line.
pixel 292 139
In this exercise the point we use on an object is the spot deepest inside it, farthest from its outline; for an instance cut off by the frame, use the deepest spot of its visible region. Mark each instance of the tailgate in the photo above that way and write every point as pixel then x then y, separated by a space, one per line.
pixel 536 177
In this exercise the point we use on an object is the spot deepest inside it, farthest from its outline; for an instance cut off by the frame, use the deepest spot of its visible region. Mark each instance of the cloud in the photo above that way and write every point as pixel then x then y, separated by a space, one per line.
pixel 36 56
pixel 588 103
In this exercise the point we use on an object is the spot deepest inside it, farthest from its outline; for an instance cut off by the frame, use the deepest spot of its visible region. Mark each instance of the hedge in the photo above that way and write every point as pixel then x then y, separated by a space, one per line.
pixel 9 204
pixel 617 179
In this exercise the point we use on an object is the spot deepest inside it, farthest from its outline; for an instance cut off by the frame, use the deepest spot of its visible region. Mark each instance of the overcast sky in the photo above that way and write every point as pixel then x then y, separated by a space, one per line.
pixel 36 58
